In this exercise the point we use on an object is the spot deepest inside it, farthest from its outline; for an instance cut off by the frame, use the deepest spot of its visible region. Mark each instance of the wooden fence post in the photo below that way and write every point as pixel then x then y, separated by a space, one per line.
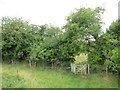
pixel 88 69
pixel 74 68
pixel 71 67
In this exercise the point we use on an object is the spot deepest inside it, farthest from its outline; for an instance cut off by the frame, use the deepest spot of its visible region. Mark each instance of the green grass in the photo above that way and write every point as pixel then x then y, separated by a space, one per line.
pixel 21 76
pixel 12 80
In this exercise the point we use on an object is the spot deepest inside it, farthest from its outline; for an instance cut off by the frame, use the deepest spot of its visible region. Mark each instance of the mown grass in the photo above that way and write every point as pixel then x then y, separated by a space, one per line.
pixel 21 76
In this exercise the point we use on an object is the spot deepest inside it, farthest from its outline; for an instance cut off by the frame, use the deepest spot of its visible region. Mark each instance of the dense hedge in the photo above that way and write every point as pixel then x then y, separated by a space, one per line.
pixel 22 41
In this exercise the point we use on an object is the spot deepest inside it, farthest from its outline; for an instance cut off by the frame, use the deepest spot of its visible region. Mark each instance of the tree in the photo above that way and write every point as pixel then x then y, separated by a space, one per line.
pixel 108 48
pixel 84 26
pixel 14 38
pixel 114 43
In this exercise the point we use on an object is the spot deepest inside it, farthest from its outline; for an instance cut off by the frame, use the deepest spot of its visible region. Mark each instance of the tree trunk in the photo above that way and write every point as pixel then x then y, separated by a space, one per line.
pixel 55 64
pixel 52 65
pixel 106 71
pixel 36 63
pixel 12 61
pixel 30 64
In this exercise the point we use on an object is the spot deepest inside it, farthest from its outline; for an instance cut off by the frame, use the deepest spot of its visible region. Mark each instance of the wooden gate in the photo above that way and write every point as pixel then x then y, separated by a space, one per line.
pixel 83 69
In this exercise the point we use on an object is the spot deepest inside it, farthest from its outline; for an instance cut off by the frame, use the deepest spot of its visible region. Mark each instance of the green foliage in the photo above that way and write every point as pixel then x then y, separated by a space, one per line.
pixel 106 48
pixel 84 27
pixel 49 44
pixel 113 39
pixel 24 41
pixel 14 38
pixel 85 23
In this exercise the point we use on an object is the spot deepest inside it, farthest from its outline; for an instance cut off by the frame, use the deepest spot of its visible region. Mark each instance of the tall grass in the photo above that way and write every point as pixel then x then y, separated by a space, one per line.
pixel 21 76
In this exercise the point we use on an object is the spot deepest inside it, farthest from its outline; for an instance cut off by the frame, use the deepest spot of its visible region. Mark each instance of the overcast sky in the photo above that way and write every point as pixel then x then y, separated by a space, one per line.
pixel 54 11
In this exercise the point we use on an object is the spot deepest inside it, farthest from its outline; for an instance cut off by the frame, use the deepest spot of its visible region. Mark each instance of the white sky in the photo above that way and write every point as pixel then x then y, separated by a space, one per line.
pixel 54 11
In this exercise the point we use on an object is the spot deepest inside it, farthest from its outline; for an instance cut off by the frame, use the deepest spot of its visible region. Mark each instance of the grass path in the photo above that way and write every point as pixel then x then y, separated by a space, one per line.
pixel 48 78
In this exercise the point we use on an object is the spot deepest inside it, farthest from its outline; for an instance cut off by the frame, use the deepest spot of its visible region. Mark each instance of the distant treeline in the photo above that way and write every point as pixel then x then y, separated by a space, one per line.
pixel 51 45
